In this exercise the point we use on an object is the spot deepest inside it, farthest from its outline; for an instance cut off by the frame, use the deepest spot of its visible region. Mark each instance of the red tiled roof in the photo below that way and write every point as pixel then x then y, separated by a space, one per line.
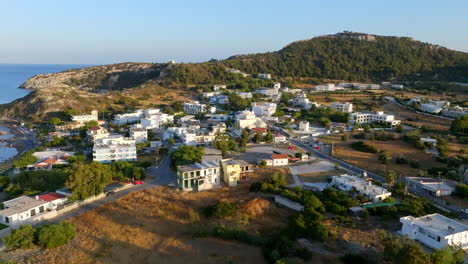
pixel 50 161
pixel 94 128
pixel 279 156
pixel 52 196
pixel 259 130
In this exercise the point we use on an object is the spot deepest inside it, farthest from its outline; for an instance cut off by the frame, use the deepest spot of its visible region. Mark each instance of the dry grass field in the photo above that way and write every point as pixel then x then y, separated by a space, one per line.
pixel 417 119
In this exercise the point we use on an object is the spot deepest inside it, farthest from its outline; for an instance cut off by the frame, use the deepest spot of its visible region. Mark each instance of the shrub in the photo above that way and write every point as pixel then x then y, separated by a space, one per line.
pixel 401 160
pixel 363 147
pixel 414 164
pixel 221 210
pixel 238 234
pixel 22 237
pixel 56 234
pixel 461 190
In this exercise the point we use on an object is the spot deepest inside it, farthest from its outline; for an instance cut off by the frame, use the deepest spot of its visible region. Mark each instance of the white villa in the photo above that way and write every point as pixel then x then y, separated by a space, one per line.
pixel 435 231
pixel 347 182
pixel 193 108
pixel 84 118
pixel 21 209
pixel 247 119
pixel 266 76
pixel 342 107
pixel 369 118
pixel 302 100
pixel 263 109
pixel 139 133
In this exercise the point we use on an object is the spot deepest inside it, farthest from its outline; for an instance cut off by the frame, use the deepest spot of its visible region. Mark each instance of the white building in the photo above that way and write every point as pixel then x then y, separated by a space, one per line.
pixel 263 109
pixel 97 132
pixel 434 187
pixel 342 107
pixel 122 119
pixel 276 160
pixel 347 182
pixel 193 108
pixel 277 85
pixel 217 87
pixel 245 95
pixel 279 138
pixel 139 134
pixel 435 231
pixel 194 135
pixel 369 118
pixel 155 121
pixel 304 126
pixel 327 87
pixel 270 92
pixel 199 176
pixel 430 108
pixel 247 119
pixel 114 147
pixel 21 209
pixel 455 111
pixel 265 76
pixel 368 86
pixel 84 118
pixel 302 100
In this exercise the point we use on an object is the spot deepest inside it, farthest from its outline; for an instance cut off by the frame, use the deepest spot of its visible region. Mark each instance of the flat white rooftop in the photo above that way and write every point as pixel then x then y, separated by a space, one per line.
pixel 437 224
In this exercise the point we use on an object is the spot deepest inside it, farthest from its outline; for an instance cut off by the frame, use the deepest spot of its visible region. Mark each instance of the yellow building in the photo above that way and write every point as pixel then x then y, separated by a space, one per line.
pixel 235 171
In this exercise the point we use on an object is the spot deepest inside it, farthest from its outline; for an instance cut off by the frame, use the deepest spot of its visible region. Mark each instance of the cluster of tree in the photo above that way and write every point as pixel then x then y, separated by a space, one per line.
pixel 86 180
pixel 354 59
pixel 224 142
pixel 56 142
pixel 258 137
pixel 123 170
pixel 323 115
pixel 48 236
pixel 40 181
pixel 402 250
pixel 459 126
pixel 363 147
pixel 26 159
pixel 385 157
pixel 414 138
pixel 186 155
pixel 274 184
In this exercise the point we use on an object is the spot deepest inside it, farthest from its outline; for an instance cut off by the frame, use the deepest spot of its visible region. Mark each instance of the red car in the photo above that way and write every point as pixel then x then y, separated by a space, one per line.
pixel 316 147
pixel 138 182
pixel 291 147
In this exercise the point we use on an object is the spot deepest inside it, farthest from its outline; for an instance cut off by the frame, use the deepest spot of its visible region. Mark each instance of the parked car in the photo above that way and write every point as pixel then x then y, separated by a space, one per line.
pixel 138 182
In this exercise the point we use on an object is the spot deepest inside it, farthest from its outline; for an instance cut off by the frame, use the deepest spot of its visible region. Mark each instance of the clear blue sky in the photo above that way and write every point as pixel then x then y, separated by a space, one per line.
pixel 109 31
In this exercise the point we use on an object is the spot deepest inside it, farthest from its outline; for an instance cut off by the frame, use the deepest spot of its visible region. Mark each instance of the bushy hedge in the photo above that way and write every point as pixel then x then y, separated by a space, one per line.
pixel 461 190
pixel 48 236
pixel 363 147
pixel 56 235
pixel 221 209
pixel 235 233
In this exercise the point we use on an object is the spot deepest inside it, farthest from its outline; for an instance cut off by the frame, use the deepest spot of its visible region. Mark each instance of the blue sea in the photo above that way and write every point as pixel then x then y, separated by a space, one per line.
pixel 13 75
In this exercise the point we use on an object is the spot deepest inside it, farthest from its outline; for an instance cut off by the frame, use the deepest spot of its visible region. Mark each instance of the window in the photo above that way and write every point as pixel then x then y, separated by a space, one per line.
pixel 7 219
pixel 33 212
pixel 41 209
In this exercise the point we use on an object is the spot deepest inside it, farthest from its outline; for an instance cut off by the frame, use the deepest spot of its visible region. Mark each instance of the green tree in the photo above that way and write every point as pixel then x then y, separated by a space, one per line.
pixel 460 125
pixel 22 237
pixel 87 180
pixel 56 234
pixel 26 159
pixel 257 138
pixel 187 155
pixel 385 157
pixel 224 143
pixel 55 121
pixel 268 137
pixel 448 255
pixel 244 138
pixel 391 177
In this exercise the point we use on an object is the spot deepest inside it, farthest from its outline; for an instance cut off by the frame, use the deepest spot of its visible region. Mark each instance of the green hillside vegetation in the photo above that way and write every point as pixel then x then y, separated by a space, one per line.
pixel 347 58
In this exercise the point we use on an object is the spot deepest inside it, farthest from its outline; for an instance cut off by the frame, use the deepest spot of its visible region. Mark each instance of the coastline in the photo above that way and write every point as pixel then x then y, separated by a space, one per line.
pixel 18 140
